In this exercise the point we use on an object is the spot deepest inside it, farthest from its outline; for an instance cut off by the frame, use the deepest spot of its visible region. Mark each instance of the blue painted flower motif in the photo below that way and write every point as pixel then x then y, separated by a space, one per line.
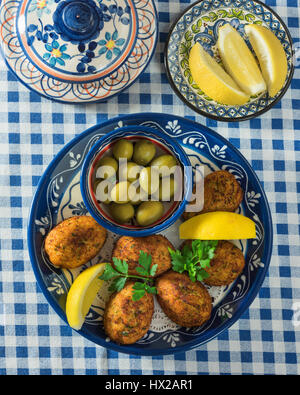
pixel 206 39
pixel 56 54
pixel 111 45
pixel 89 54
pixel 123 18
pixel 40 32
pixel 78 209
pixel 40 7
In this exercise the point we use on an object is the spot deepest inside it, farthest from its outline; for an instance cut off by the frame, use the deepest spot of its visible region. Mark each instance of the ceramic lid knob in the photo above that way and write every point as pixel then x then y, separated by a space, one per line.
pixel 79 17
pixel 77 21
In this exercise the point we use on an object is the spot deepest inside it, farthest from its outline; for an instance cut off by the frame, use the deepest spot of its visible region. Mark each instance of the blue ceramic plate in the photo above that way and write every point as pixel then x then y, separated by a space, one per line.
pixel 200 23
pixel 78 51
pixel 58 197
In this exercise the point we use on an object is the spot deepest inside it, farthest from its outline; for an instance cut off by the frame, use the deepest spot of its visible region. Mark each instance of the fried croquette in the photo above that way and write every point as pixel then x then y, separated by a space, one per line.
pixel 185 302
pixel 126 321
pixel 128 248
pixel 222 192
pixel 226 265
pixel 74 241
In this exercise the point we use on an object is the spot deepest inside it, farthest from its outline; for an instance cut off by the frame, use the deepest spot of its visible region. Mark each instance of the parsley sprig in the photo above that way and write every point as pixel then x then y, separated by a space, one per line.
pixel 194 259
pixel 119 275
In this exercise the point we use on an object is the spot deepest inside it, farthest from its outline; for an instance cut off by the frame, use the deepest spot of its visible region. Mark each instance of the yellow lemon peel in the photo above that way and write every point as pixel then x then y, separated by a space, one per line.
pixel 218 225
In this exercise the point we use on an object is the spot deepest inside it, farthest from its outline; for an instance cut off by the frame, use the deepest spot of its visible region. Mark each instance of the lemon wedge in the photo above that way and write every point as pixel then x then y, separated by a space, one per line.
pixel 218 225
pixel 82 293
pixel 239 61
pixel 212 79
pixel 271 56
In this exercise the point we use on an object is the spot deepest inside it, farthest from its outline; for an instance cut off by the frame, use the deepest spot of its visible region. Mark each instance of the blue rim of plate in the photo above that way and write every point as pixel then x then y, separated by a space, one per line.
pixel 131 131
pixel 208 334
pixel 194 94
pixel 82 85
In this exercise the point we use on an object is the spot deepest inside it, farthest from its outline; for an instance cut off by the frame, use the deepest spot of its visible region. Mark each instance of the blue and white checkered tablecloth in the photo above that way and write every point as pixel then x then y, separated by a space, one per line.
pixel 34 340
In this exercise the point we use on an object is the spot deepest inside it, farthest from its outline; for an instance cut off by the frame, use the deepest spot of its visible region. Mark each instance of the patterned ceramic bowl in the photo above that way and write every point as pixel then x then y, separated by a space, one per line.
pixel 164 145
pixel 200 23
pixel 78 51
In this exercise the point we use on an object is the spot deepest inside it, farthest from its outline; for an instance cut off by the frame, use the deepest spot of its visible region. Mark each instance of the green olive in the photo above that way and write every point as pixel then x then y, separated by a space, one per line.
pixel 122 212
pixel 136 194
pixel 119 193
pixel 149 180
pixel 164 163
pixel 106 167
pixel 123 149
pixel 144 152
pixel 131 172
pixel 149 212
pixel 102 191
pixel 167 189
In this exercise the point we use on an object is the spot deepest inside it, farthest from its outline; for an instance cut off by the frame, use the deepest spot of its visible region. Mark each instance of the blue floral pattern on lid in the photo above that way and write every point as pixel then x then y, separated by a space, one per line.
pixel 56 54
pixel 110 45
pixel 78 50
pixel 40 7
pixel 78 26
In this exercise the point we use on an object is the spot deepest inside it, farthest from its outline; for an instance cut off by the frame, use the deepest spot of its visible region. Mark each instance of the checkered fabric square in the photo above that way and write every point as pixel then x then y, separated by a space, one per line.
pixel 33 338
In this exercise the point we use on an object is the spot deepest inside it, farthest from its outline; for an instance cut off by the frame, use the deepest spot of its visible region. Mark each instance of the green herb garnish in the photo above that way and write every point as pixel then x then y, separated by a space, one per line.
pixel 119 275
pixel 194 259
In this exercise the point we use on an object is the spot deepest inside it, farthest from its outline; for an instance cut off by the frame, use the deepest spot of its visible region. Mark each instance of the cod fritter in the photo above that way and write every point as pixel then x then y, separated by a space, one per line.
pixel 185 302
pixel 226 265
pixel 126 321
pixel 128 248
pixel 222 192
pixel 74 241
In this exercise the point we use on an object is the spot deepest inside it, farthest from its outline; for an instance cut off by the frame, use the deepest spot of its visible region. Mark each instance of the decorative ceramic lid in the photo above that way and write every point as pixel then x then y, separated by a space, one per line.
pixel 78 50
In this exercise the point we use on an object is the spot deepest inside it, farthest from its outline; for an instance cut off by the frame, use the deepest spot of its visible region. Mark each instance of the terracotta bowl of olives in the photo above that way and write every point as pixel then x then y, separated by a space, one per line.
pixel 136 181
